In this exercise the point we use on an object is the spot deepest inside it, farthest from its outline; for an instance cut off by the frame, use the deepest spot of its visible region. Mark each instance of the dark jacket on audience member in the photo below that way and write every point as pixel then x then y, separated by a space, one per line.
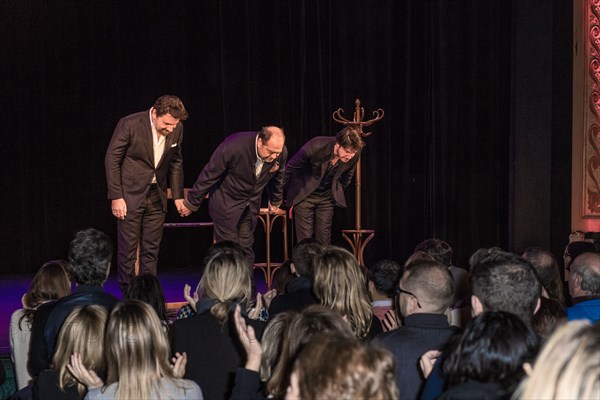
pixel 213 351
pixel 46 388
pixel 49 318
pixel 298 296
pixel 421 332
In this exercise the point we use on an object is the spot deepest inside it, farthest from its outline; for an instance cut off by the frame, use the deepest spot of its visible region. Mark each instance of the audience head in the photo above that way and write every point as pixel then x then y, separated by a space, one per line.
pixel 568 365
pixel 272 342
pixel 505 282
pixel 226 280
pixel 90 254
pixel 136 348
pixel 574 249
pixel 83 333
pixel 550 316
pixel 418 255
pixel 217 247
pixel 310 324
pixel 51 282
pixel 336 367
pixel 304 255
pixel 283 277
pixel 383 277
pixel 438 249
pixel 546 267
pixel 482 253
pixel 340 285
pixel 146 288
pixel 492 348
pixel 426 286
pixel 584 279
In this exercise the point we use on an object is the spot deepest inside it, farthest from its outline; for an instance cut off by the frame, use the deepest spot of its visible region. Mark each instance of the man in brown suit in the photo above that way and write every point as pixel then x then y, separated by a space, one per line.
pixel 142 160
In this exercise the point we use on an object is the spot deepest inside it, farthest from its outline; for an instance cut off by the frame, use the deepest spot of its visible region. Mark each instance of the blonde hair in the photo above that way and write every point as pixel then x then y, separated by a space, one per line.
pixel 137 351
pixel 226 279
pixel 82 332
pixel 334 367
pixel 340 285
pixel 568 366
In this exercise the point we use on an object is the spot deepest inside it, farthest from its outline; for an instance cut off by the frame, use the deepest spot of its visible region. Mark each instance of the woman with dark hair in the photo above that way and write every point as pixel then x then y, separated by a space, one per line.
pixel 50 283
pixel 486 360
pixel 146 288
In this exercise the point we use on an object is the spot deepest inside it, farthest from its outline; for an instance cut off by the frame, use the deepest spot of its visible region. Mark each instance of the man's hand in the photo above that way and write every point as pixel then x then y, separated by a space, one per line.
pixel 274 209
pixel 119 208
pixel 181 208
pixel 427 361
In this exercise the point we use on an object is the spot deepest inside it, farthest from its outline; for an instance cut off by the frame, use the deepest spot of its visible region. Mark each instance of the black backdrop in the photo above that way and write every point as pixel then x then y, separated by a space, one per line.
pixel 438 164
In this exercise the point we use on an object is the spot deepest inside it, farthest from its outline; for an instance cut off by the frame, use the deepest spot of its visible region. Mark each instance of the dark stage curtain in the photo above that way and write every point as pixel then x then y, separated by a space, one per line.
pixel 435 166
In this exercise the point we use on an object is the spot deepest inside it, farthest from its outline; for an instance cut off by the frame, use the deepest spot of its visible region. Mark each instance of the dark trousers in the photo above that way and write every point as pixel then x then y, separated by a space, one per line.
pixel 243 234
pixel 313 215
pixel 143 226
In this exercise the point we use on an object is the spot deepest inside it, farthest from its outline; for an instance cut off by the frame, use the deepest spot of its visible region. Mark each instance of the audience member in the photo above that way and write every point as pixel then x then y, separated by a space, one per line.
pixel 83 333
pixel 146 288
pixel 546 267
pixel 548 317
pixel 209 338
pixel 383 277
pixel 574 250
pixel 441 252
pixel 340 285
pixel 568 367
pixel 137 357
pixel 90 254
pixel 283 277
pixel 486 360
pixel 299 294
pixel 335 367
pixel 311 324
pixel 584 287
pixel 425 292
pixel 501 282
pixel 272 342
pixel 50 283
pixel 189 310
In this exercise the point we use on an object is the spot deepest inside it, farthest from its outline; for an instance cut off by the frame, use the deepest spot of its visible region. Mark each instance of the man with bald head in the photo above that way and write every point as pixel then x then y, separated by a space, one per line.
pixel 425 292
pixel 584 286
pixel 235 177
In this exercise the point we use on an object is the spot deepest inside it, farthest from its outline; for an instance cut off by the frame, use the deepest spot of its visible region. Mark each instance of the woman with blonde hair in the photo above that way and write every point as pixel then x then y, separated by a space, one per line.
pixel 335 367
pixel 568 366
pixel 209 337
pixel 340 285
pixel 51 282
pixel 83 333
pixel 137 356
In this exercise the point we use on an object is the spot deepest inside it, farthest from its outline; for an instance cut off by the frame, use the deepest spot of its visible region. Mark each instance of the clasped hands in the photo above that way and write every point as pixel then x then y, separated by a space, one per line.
pixel 181 208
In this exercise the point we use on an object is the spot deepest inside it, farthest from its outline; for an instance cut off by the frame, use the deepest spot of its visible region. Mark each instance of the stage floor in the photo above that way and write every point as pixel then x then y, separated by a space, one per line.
pixel 12 288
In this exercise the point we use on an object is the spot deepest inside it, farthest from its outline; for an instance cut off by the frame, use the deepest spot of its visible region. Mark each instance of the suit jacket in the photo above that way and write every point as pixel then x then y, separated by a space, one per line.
pixel 304 171
pixel 129 162
pixel 229 180
pixel 421 332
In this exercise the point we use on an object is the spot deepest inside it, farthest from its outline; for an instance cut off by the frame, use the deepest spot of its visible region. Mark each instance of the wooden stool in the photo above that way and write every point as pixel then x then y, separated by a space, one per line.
pixel 269 268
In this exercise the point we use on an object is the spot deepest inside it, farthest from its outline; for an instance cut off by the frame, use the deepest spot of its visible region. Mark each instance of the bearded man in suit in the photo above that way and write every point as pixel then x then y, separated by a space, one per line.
pixel 142 160
pixel 234 179
pixel 316 177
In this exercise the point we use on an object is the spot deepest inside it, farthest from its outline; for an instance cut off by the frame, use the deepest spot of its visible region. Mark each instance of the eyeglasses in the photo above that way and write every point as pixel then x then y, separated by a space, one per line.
pixel 400 290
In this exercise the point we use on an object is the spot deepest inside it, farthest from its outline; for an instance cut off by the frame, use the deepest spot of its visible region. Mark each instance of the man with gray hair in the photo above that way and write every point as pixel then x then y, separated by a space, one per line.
pixel 425 292
pixel 584 286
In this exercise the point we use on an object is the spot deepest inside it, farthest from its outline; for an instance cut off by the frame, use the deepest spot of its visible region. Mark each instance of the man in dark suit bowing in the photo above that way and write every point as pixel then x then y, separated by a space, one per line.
pixel 142 160
pixel 234 178
pixel 316 177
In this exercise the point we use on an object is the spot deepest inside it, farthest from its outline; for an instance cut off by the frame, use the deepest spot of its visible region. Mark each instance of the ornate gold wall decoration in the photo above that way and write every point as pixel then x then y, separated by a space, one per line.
pixel 591 173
